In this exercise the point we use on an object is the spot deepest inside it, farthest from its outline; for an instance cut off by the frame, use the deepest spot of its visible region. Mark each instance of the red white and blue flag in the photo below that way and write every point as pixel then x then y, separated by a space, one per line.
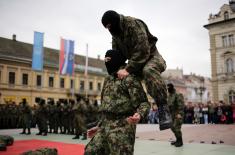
pixel 66 56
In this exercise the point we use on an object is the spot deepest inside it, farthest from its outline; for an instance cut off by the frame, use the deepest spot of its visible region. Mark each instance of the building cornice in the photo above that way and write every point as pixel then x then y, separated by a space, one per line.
pixel 219 22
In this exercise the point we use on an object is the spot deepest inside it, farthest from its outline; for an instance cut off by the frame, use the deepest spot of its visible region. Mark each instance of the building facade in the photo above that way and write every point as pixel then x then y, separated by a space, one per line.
pixel 221 29
pixel 18 80
pixel 196 89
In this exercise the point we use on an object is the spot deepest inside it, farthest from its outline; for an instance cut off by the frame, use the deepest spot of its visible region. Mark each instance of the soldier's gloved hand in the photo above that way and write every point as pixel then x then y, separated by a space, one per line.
pixel 134 119
pixel 91 132
pixel 122 73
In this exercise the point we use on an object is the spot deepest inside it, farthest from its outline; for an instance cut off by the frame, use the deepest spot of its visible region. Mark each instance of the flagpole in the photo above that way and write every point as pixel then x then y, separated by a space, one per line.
pixel 86 72
pixel 73 74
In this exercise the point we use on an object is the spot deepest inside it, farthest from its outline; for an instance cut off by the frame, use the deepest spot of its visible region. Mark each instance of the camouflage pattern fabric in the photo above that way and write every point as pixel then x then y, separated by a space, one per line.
pixel 119 99
pixel 176 105
pixel 7 140
pixel 137 44
pixel 42 151
pixel 79 110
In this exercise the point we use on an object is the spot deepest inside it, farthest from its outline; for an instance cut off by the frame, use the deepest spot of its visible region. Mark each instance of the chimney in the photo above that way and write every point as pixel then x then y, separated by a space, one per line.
pixel 14 37
pixel 98 57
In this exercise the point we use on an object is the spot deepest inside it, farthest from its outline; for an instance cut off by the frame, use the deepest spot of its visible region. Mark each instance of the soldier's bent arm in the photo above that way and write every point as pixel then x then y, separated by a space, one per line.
pixel 138 97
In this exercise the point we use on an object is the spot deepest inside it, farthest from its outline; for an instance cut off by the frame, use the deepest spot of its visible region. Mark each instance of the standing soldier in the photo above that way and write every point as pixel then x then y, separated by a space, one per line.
pixel 176 104
pixel 42 114
pixel 51 109
pixel 58 114
pixel 26 117
pixel 65 117
pixel 79 122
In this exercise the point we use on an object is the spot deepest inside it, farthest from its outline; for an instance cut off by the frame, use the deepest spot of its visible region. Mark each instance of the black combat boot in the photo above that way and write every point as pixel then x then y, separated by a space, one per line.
pixel 23 132
pixel 84 136
pixel 29 132
pixel 173 142
pixel 76 137
pixel 179 142
pixel 3 147
pixel 40 133
pixel 165 120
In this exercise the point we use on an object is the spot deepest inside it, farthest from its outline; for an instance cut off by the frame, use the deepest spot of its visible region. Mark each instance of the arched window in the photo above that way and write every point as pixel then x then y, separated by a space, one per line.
pixel 229 65
pixel 226 15
pixel 231 96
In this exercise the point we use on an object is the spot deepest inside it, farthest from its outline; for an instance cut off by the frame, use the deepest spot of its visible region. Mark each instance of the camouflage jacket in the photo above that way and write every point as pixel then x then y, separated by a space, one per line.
pixel 123 97
pixel 136 43
pixel 176 104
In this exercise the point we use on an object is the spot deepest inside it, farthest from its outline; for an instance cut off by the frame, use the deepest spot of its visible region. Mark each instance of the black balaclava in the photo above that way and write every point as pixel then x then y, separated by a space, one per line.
pixel 113 18
pixel 117 60
pixel 170 88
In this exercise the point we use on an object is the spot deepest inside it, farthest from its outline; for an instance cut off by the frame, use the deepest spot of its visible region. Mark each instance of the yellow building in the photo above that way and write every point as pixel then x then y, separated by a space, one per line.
pixel 221 28
pixel 18 80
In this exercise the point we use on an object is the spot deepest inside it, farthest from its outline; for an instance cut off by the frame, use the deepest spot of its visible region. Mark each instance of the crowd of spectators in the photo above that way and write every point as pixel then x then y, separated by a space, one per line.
pixel 202 113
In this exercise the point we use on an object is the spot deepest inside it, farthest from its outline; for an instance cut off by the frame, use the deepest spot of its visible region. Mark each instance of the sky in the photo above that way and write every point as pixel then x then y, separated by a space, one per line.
pixel 178 24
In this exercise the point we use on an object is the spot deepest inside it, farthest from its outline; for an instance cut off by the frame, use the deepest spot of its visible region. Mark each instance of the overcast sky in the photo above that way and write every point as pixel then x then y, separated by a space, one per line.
pixel 178 24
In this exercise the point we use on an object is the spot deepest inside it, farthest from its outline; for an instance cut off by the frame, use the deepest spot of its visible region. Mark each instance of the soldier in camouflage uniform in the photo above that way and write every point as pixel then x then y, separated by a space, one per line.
pixel 26 117
pixel 41 116
pixel 123 104
pixel 79 109
pixel 58 120
pixel 131 36
pixel 52 114
pixel 176 104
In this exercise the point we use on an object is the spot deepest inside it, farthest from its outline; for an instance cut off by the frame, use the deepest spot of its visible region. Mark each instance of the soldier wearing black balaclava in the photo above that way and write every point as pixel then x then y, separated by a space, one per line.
pixel 176 105
pixel 132 38
pixel 123 104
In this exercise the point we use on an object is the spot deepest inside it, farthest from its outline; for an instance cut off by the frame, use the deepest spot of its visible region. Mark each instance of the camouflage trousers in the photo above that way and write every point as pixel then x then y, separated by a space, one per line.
pixel 42 151
pixel 115 137
pixel 154 83
pixel 176 127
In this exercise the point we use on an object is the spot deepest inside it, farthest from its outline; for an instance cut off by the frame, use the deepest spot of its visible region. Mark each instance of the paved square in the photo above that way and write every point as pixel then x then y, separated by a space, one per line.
pixel 149 140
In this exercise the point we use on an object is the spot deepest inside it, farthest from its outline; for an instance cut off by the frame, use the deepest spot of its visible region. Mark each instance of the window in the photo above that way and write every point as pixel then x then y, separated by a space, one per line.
pixel 226 15
pixel 231 96
pixel 82 85
pixel 39 80
pixel 61 82
pixel 224 40
pixel 11 77
pixel 229 65
pixel 231 40
pixel 71 84
pixel 99 86
pixel 51 81
pixel 25 79
pixel 90 85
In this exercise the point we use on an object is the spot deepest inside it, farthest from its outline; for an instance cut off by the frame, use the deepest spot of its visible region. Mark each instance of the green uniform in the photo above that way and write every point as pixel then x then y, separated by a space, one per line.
pixel 79 110
pixel 26 117
pixel 176 105
pixel 119 100
pixel 137 44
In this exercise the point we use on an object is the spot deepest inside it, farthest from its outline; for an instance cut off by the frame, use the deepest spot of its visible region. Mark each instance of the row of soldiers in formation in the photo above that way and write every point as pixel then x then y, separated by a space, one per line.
pixel 64 116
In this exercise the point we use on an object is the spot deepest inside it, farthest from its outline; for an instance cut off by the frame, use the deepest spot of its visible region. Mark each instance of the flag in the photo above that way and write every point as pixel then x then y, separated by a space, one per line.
pixel 66 56
pixel 37 60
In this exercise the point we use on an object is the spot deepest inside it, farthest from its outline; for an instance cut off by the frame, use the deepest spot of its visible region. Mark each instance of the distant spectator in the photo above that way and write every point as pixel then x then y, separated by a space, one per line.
pixel 205 113
pixel 153 114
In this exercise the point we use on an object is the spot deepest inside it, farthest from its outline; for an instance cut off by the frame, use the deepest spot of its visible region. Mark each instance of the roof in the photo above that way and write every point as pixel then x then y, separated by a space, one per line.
pixel 23 51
